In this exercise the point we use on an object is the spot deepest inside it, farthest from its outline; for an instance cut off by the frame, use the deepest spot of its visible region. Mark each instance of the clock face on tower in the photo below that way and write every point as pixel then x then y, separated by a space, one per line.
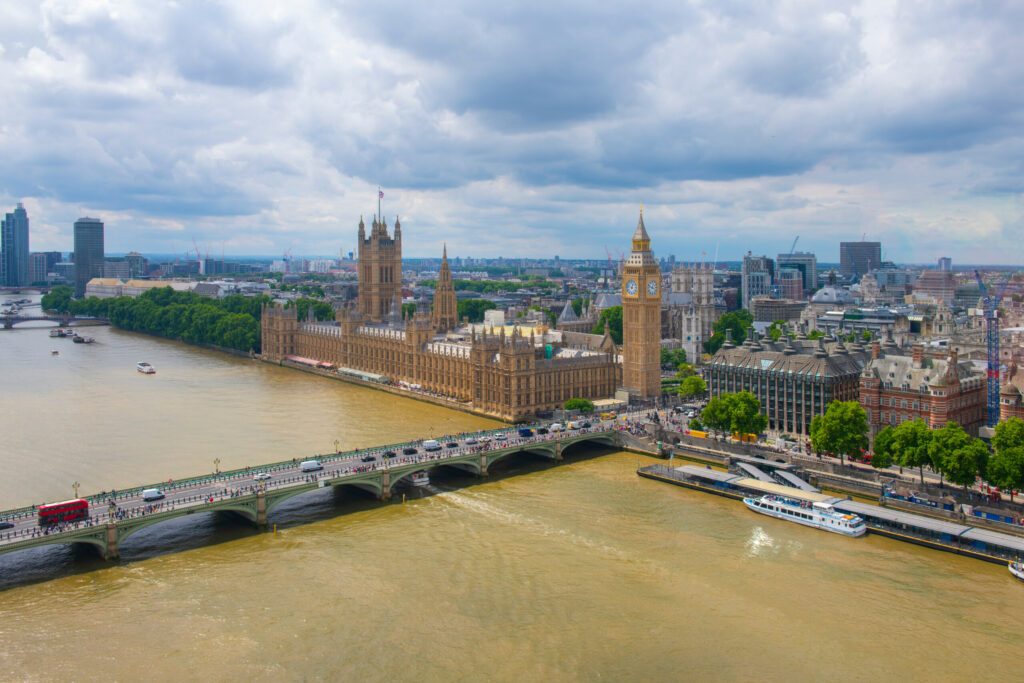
pixel 652 287
pixel 631 288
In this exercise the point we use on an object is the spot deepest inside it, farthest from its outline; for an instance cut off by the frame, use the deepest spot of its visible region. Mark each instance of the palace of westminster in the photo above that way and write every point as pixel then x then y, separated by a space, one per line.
pixel 506 371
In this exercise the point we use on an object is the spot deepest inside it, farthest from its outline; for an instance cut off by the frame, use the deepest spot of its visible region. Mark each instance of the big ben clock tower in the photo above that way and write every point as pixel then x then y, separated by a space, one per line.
pixel 641 318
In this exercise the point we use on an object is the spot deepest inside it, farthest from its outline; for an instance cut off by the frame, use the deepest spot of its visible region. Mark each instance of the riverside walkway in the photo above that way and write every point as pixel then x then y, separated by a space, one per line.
pixel 116 515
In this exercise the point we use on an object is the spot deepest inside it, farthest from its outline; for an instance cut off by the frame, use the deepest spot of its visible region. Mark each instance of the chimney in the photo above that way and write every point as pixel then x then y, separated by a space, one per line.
pixel 917 355
pixel 876 349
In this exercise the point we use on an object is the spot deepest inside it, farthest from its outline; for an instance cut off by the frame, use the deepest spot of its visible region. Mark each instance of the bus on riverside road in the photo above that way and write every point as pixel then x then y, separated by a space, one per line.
pixel 67 511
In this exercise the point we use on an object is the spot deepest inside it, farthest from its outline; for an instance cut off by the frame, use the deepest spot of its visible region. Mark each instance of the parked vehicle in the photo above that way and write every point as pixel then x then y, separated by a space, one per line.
pixel 431 445
pixel 310 466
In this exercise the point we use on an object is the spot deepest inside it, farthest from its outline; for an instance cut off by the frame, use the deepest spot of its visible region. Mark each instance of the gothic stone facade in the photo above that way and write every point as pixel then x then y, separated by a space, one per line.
pixel 509 376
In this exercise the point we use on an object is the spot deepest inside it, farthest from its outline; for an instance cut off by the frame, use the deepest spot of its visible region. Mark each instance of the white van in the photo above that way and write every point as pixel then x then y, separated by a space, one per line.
pixel 431 445
pixel 310 465
pixel 572 424
pixel 556 427
pixel 152 494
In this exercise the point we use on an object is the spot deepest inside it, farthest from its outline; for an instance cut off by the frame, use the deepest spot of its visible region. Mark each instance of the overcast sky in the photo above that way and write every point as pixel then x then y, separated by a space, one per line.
pixel 518 129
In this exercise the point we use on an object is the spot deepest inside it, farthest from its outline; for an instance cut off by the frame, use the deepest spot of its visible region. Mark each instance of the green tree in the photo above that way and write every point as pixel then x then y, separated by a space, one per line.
pixel 960 456
pixel 408 310
pixel 585 406
pixel 843 429
pixel 58 299
pixel 910 445
pixel 1006 467
pixel 775 330
pixel 613 316
pixel 684 370
pixel 736 322
pixel 474 309
pixel 577 305
pixel 717 415
pixel 1009 434
pixel 672 358
pixel 882 455
pixel 695 423
pixel 746 416
pixel 815 335
pixel 694 385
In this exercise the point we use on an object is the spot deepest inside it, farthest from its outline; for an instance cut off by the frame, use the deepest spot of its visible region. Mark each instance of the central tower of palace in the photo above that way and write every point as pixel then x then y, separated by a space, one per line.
pixel 380 269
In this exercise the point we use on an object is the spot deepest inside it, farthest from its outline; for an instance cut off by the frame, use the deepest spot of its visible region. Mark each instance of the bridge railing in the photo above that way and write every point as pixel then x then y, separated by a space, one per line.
pixel 246 472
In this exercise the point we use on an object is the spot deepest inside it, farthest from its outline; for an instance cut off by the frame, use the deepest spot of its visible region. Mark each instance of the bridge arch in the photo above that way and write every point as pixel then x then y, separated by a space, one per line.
pixel 604 439
pixel 98 542
pixel 274 498
pixel 127 528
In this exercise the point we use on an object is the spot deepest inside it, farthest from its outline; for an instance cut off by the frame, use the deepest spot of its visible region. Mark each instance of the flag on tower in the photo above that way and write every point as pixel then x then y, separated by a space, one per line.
pixel 380 194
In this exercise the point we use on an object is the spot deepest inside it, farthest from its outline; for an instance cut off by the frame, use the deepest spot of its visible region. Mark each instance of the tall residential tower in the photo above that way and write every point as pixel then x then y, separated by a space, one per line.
pixel 14 248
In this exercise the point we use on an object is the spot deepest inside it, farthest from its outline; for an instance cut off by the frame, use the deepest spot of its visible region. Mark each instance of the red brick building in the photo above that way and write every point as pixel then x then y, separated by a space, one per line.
pixel 896 387
pixel 1011 394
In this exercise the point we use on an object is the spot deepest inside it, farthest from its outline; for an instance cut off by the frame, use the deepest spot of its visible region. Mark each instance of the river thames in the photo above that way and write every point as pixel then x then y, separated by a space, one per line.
pixel 579 571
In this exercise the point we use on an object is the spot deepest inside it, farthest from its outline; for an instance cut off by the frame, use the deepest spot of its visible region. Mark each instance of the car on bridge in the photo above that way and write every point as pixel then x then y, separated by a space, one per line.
pixel 409 450
pixel 451 444
pixel 6 525
pixel 261 476
pixel 542 430
pixel 501 436
pixel 525 432
pixel 368 458
pixel 485 439
pixel 471 441
pixel 390 454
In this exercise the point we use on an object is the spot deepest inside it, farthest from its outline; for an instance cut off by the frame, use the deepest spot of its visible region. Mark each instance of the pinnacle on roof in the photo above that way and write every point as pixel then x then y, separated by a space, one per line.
pixel 641 230
pixel 568 314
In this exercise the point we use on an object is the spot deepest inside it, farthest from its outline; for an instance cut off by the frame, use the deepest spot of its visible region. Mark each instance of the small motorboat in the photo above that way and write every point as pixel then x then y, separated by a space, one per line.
pixel 145 368
pixel 57 332
pixel 55 352
pixel 1017 569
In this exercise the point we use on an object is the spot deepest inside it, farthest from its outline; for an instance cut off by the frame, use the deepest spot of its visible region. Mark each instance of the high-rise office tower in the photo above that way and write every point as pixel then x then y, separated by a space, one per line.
pixel 859 258
pixel 945 264
pixel 756 277
pixel 88 252
pixel 806 263
pixel 14 248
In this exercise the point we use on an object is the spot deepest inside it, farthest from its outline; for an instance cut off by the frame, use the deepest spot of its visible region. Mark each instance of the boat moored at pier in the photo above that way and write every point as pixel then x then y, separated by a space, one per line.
pixel 819 515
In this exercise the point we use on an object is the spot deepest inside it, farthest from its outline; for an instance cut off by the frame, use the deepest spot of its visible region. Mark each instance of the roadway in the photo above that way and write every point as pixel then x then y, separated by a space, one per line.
pixel 196 492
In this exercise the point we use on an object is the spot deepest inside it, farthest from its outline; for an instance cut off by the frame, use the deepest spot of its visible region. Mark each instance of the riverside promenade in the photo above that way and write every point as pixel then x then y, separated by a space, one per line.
pixel 253 492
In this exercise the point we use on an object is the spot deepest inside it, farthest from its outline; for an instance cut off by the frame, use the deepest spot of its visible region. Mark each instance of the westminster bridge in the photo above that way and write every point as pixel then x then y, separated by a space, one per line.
pixel 253 492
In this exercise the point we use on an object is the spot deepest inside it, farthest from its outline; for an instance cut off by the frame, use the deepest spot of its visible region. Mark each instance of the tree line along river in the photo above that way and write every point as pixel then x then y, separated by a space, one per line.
pixel 580 571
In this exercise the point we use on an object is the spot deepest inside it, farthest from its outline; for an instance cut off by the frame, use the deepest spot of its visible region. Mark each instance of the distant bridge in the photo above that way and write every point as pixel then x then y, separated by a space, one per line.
pixel 113 518
pixel 8 321
pixel 43 289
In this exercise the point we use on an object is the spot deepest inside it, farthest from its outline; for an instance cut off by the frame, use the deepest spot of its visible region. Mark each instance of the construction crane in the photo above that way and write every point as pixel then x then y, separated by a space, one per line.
pixel 991 304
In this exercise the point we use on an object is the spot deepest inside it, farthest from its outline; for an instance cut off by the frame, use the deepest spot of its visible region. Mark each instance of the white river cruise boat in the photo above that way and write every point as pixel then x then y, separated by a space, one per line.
pixel 817 515
pixel 145 368
pixel 1017 569
pixel 420 478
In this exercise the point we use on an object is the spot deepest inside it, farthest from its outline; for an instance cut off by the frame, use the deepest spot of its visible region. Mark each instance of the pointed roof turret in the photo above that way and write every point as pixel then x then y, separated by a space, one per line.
pixel 641 230
pixel 568 314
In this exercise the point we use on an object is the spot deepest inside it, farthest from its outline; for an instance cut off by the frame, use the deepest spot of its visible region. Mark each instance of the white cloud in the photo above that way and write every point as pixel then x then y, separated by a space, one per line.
pixel 524 129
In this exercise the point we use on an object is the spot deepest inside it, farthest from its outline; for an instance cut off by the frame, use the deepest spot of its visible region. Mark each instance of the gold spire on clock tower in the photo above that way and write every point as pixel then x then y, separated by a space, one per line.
pixel 641 318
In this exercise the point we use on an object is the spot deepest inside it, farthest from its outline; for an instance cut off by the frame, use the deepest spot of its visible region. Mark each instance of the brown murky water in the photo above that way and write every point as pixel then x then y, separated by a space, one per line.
pixel 576 572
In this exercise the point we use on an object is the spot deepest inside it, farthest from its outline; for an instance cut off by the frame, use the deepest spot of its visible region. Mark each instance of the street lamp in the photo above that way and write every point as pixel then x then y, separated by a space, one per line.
pixel 75 487
pixel 336 449
pixel 216 465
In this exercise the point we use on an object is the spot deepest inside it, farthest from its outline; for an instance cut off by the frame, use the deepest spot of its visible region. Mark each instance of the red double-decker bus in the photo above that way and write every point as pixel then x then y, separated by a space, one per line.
pixel 67 511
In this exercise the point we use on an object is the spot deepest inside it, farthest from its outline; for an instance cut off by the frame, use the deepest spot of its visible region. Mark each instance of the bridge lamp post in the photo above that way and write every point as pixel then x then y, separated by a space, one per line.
pixel 336 449
pixel 216 465
pixel 75 487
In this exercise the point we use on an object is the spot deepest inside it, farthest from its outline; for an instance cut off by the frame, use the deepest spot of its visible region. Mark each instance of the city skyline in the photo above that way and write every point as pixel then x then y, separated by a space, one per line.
pixel 739 129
